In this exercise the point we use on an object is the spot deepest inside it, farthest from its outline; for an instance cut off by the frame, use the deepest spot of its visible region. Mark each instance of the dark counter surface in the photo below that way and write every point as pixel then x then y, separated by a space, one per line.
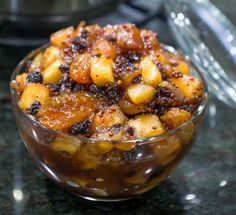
pixel 204 183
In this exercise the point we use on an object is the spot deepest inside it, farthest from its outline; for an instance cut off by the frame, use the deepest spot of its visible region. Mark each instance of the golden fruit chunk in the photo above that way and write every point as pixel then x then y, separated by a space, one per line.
pixel 52 73
pixel 62 37
pixel 65 146
pixel 140 93
pixel 138 178
pixel 129 107
pixel 50 55
pixel 21 81
pixel 80 69
pixel 36 64
pixel 175 117
pixel 104 48
pixel 150 72
pixel 167 150
pixel 112 115
pixel 182 67
pixel 189 86
pixel 128 37
pixel 149 39
pixel 146 125
pixel 128 78
pixel 89 155
pixel 125 146
pixel 162 58
pixel 33 92
pixel 62 111
pixel 101 71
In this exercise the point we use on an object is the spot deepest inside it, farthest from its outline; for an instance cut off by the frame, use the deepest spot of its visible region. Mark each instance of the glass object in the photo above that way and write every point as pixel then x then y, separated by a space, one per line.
pixel 209 39
pixel 106 170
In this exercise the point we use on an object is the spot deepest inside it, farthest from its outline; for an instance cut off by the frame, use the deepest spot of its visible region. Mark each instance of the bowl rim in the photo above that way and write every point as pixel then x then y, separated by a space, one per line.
pixel 200 111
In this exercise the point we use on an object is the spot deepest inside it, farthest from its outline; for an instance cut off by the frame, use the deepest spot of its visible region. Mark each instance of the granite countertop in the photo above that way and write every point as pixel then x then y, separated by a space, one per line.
pixel 203 184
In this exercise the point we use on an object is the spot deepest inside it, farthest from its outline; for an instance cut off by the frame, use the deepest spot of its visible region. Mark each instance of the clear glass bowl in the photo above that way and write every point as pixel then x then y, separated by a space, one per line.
pixel 106 170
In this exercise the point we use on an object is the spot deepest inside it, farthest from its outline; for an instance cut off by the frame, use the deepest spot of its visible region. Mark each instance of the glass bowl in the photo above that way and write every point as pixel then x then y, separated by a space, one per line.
pixel 106 170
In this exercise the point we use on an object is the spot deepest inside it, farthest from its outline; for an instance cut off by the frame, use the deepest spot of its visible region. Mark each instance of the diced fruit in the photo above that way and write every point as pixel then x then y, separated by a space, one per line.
pixel 167 150
pixel 189 86
pixel 112 115
pixel 168 95
pixel 146 125
pixel 162 58
pixel 33 92
pixel 130 108
pixel 149 39
pixel 21 81
pixel 140 93
pixel 62 111
pixel 52 73
pixel 150 72
pixel 36 64
pixel 128 37
pixel 182 67
pixel 80 69
pixel 185 134
pixel 62 37
pixel 125 146
pixel 66 146
pixel 128 78
pixel 175 117
pixel 50 55
pixel 101 71
pixel 89 155
pixel 103 47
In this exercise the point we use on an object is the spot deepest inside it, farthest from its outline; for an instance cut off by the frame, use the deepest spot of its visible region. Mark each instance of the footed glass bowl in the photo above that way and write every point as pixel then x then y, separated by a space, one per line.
pixel 106 170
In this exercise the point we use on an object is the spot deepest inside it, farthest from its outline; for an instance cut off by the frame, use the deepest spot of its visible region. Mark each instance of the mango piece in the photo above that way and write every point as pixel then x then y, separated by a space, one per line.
pixel 105 48
pixel 146 125
pixel 80 69
pixel 175 117
pixel 50 55
pixel 21 81
pixel 62 37
pixel 36 64
pixel 128 78
pixel 128 37
pixel 182 67
pixel 130 108
pixel 52 73
pixel 33 92
pixel 65 146
pixel 101 71
pixel 112 115
pixel 150 72
pixel 140 93
pixel 189 86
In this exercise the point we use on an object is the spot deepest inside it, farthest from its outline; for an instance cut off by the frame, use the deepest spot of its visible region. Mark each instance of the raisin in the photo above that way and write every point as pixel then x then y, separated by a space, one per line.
pixel 79 44
pixel 122 66
pixel 35 77
pixel 112 93
pixel 116 128
pixel 64 68
pixel 134 57
pixel 130 131
pixel 81 127
pixel 164 96
pixel 137 79
pixel 96 91
pixel 54 87
pixel 78 88
pixel 34 107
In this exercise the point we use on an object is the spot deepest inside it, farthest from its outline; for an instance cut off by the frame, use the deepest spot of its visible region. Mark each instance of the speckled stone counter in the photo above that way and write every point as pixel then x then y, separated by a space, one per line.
pixel 204 183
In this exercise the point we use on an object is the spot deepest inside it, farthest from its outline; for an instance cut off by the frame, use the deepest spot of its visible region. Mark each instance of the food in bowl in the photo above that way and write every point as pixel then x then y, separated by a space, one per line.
pixel 110 111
